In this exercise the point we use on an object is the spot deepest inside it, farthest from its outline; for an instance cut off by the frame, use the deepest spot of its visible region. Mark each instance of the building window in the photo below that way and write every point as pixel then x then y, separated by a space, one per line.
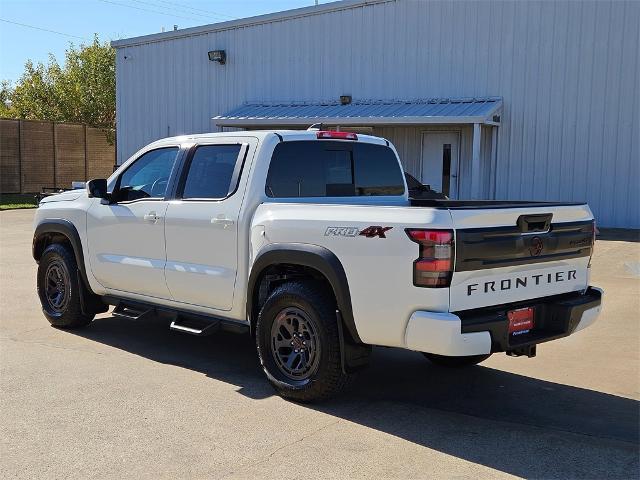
pixel 446 168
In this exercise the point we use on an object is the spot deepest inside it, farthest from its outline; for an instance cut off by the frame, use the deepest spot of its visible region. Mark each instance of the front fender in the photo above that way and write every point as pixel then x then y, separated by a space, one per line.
pixel 45 233
pixel 59 227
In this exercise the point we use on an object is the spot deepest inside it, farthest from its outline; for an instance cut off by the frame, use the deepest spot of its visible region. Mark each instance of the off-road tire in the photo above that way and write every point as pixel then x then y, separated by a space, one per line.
pixel 67 312
pixel 455 362
pixel 313 300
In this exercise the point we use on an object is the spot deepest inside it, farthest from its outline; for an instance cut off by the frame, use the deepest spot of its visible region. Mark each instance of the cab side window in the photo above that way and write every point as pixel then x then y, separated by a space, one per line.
pixel 212 172
pixel 148 176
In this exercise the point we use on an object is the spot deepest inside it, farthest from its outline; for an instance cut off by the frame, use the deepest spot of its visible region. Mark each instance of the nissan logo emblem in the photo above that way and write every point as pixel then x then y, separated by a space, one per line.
pixel 536 246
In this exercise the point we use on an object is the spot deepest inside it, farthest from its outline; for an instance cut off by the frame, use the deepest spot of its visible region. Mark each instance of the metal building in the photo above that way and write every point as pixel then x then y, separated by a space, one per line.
pixel 483 99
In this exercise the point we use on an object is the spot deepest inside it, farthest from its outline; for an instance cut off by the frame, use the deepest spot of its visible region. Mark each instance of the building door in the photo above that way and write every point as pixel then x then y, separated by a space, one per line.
pixel 440 159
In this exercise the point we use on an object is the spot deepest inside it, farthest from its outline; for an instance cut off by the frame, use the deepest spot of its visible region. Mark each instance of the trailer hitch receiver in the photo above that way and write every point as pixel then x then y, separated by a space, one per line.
pixel 528 350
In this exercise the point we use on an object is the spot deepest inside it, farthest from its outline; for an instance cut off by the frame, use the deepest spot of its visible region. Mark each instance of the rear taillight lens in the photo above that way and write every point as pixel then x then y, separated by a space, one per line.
pixel 434 266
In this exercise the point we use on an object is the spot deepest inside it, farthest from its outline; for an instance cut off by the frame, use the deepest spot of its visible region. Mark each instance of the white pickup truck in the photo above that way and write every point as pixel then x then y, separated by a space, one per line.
pixel 309 241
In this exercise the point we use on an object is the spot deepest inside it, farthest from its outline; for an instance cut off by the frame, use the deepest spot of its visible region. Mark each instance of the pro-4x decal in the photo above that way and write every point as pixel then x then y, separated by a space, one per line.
pixel 375 231
pixel 369 232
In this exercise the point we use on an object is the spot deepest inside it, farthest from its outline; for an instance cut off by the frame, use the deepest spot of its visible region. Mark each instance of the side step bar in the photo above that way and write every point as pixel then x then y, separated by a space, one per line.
pixel 201 329
pixel 130 312
pixel 181 321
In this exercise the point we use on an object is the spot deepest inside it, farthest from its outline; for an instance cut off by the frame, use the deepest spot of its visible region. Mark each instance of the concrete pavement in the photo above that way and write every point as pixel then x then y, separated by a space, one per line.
pixel 124 399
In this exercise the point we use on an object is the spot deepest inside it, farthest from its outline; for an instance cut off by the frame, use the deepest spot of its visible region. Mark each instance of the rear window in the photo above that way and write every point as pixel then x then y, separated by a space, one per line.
pixel 333 169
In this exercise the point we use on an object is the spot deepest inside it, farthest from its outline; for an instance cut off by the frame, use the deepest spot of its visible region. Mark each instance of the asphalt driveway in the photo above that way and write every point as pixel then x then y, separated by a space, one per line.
pixel 123 399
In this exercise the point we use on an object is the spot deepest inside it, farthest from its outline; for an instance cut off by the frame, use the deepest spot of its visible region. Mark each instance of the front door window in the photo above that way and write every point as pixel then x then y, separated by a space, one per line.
pixel 148 176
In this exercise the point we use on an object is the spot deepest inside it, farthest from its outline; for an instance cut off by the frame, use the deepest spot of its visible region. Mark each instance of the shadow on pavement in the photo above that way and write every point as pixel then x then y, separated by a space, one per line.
pixel 403 395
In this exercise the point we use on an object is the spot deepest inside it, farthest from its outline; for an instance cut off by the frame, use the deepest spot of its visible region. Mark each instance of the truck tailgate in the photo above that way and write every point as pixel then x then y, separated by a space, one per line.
pixel 508 254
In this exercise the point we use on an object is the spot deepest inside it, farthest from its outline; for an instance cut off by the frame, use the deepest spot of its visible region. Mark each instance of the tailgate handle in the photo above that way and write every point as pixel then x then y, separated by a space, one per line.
pixel 537 223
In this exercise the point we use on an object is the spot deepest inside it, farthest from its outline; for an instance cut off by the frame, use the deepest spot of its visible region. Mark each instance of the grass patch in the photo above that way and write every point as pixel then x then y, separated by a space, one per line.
pixel 10 201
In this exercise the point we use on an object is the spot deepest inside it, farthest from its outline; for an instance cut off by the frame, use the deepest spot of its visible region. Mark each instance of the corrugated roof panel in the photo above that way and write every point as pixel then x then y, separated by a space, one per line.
pixel 467 110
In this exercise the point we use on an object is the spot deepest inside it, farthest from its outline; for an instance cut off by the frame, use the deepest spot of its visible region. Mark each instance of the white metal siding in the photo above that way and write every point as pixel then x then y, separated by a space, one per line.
pixel 408 143
pixel 568 73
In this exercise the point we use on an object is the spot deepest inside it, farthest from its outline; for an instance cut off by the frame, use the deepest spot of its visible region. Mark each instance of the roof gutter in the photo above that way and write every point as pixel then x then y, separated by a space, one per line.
pixel 246 22
pixel 348 121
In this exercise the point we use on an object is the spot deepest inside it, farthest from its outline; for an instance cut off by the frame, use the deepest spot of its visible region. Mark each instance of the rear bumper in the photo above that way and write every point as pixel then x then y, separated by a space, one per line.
pixel 482 331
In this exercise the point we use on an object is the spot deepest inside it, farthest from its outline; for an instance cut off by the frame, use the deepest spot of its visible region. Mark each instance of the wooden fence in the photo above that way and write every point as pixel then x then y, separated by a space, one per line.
pixel 36 154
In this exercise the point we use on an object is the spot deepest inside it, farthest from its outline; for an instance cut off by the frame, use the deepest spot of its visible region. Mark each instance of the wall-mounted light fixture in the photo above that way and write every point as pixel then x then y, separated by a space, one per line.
pixel 345 99
pixel 219 56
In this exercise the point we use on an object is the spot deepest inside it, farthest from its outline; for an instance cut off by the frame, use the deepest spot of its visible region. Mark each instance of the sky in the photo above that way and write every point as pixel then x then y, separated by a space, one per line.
pixel 32 29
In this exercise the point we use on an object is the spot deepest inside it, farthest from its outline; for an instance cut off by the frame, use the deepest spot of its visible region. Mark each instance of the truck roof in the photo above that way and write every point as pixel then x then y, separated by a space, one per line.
pixel 285 135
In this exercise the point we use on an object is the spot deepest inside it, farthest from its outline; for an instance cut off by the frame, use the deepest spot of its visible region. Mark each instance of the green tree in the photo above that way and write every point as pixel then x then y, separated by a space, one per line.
pixel 81 91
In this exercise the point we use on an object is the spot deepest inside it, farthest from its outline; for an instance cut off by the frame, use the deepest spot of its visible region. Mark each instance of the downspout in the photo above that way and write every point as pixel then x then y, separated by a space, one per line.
pixel 475 162
pixel 494 161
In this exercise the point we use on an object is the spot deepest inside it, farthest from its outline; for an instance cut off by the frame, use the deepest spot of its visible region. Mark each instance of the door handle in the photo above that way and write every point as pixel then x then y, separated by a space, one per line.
pixel 151 217
pixel 224 222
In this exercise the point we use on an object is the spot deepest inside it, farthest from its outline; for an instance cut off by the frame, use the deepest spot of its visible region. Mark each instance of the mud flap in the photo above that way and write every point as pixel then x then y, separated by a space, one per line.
pixel 90 303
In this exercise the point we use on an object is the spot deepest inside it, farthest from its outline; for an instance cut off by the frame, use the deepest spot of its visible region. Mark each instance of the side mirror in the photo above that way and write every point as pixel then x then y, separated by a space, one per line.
pixel 97 188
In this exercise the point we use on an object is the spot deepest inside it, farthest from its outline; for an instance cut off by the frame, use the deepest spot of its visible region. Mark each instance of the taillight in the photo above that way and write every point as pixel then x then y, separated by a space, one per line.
pixel 434 266
pixel 337 135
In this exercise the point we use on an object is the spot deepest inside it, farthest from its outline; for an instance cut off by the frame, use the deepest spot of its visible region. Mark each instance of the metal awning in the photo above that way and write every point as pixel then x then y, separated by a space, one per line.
pixel 361 113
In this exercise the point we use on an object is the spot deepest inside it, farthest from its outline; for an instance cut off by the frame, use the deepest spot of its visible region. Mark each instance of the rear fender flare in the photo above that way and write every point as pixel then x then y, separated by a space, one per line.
pixel 306 255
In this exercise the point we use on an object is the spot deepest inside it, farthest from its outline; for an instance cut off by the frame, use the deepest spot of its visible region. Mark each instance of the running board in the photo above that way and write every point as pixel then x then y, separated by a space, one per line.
pixel 132 313
pixel 194 327
pixel 181 320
